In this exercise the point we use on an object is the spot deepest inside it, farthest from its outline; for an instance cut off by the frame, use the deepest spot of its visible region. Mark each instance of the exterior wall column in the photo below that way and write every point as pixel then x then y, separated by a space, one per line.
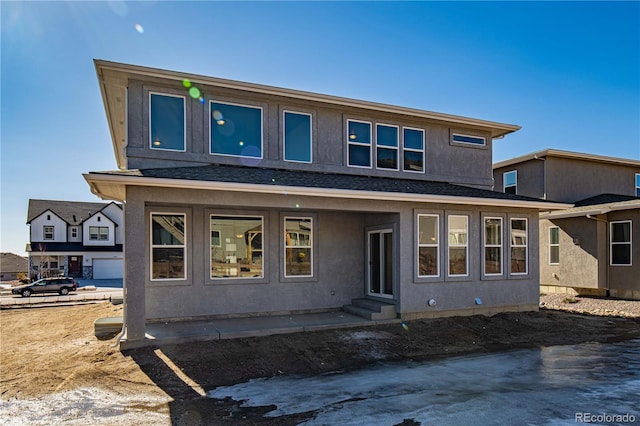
pixel 134 270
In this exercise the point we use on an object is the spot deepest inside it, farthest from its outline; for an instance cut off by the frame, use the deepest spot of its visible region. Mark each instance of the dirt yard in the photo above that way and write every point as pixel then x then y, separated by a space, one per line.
pixel 53 369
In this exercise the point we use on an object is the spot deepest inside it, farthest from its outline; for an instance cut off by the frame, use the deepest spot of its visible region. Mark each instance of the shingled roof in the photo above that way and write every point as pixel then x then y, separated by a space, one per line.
pixel 11 263
pixel 72 212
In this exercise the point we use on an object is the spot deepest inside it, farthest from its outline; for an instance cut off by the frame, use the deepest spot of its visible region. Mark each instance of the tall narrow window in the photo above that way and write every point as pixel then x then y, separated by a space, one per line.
pixel 74 232
pixel 428 245
pixel 235 130
pixel 637 184
pixel 519 256
pixel 167 122
pixel 359 143
pixel 298 247
pixel 458 230
pixel 510 182
pixel 621 243
pixel 386 147
pixel 413 150
pixel 47 232
pixel 493 246
pixel 297 137
pixel 239 253
pixel 168 246
pixel 554 245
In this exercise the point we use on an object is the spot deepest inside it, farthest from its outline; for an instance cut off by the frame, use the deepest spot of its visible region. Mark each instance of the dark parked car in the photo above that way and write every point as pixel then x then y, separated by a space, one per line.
pixel 61 285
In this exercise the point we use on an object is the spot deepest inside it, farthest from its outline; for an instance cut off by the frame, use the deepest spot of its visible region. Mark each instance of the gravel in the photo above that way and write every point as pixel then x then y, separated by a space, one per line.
pixel 591 305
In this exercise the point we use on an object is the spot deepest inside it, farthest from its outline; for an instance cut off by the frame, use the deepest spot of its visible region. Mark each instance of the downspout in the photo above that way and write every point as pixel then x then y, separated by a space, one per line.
pixel 608 264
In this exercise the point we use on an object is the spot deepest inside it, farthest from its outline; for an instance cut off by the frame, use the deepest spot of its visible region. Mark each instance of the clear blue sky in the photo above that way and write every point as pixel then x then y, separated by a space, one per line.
pixel 569 73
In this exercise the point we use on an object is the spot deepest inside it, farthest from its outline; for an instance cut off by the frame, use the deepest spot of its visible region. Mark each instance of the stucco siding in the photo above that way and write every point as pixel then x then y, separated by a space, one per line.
pixel 624 279
pixel 530 178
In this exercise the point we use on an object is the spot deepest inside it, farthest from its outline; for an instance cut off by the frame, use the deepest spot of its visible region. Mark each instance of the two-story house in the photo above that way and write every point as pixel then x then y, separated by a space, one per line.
pixel 588 249
pixel 78 239
pixel 245 199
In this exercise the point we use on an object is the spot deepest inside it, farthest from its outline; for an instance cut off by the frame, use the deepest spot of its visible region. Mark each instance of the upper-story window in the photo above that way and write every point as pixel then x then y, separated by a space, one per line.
pixel 359 134
pixel 297 137
pixel 637 184
pixel 473 140
pixel 167 118
pixel 236 130
pixel 510 182
pixel 386 147
pixel 413 149
pixel 98 233
pixel 47 232
pixel 74 232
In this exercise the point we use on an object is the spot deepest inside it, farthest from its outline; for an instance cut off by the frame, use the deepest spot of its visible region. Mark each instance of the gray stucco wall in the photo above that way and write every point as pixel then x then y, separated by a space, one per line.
pixel 530 178
pixel 444 161
pixel 624 279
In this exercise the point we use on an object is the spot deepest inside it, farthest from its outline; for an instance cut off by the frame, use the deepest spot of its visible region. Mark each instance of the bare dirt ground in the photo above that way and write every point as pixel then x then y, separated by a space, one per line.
pixel 54 370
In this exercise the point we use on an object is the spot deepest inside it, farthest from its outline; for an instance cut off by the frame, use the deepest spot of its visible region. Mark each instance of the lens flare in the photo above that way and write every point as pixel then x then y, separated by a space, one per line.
pixel 194 92
pixel 217 115
pixel 405 326
pixel 186 83
pixel 139 28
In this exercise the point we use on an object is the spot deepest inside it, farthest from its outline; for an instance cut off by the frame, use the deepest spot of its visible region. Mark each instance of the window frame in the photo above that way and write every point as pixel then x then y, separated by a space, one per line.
pixel 395 148
pixel 436 245
pixel 554 245
pixel 504 180
pixel 183 245
pixel 184 121
pixel 485 246
pixel 458 245
pixel 512 246
pixel 637 184
pixel 45 233
pixel 284 136
pixel 99 233
pixel 74 232
pixel 466 143
pixel 309 246
pixel 350 143
pixel 421 151
pixel 235 280
pixel 210 115
pixel 629 243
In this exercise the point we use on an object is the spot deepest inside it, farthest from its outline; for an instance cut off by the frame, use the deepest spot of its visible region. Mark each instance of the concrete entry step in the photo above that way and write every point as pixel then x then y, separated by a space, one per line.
pixel 371 309
pixel 106 328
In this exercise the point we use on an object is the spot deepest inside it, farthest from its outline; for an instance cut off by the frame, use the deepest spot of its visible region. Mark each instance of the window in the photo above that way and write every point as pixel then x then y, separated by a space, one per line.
pixel 428 245
pixel 510 182
pixel 554 245
pixel 386 147
pixel 458 229
pixel 359 143
pixel 167 119
pixel 47 232
pixel 621 243
pixel 519 257
pixel 637 184
pixel 240 252
pixel 298 249
pixel 297 137
pixel 98 233
pixel 493 246
pixel 413 149
pixel 74 232
pixel 236 130
pixel 474 140
pixel 168 246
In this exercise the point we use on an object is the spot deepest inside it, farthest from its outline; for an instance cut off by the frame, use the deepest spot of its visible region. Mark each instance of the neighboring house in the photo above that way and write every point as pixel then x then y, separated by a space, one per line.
pixel 12 266
pixel 78 239
pixel 593 248
pixel 244 199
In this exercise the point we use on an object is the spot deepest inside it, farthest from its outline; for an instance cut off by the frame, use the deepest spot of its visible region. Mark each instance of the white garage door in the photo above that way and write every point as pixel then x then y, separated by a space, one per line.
pixel 107 268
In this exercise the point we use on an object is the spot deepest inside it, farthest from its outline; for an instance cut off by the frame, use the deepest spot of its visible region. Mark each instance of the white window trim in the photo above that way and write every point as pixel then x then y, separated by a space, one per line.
pixel 44 232
pixel 262 221
pixel 284 140
pixel 436 245
pixel 421 151
pixel 74 232
pixel 100 228
pixel 152 246
pixel 454 134
pixel 184 120
pixel 212 101
pixel 611 243
pixel 526 246
pixel 637 183
pixel 554 245
pixel 310 246
pixel 466 247
pixel 485 246
pixel 370 144
pixel 391 148
pixel 505 186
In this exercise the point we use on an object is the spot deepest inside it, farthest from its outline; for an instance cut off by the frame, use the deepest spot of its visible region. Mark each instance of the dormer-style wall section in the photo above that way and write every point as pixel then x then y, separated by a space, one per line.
pixel 98 230
pixel 48 227
pixel 161 118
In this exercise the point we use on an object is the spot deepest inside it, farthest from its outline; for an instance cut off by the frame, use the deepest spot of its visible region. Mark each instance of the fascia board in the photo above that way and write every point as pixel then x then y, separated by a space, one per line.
pixel 596 210
pixel 95 182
